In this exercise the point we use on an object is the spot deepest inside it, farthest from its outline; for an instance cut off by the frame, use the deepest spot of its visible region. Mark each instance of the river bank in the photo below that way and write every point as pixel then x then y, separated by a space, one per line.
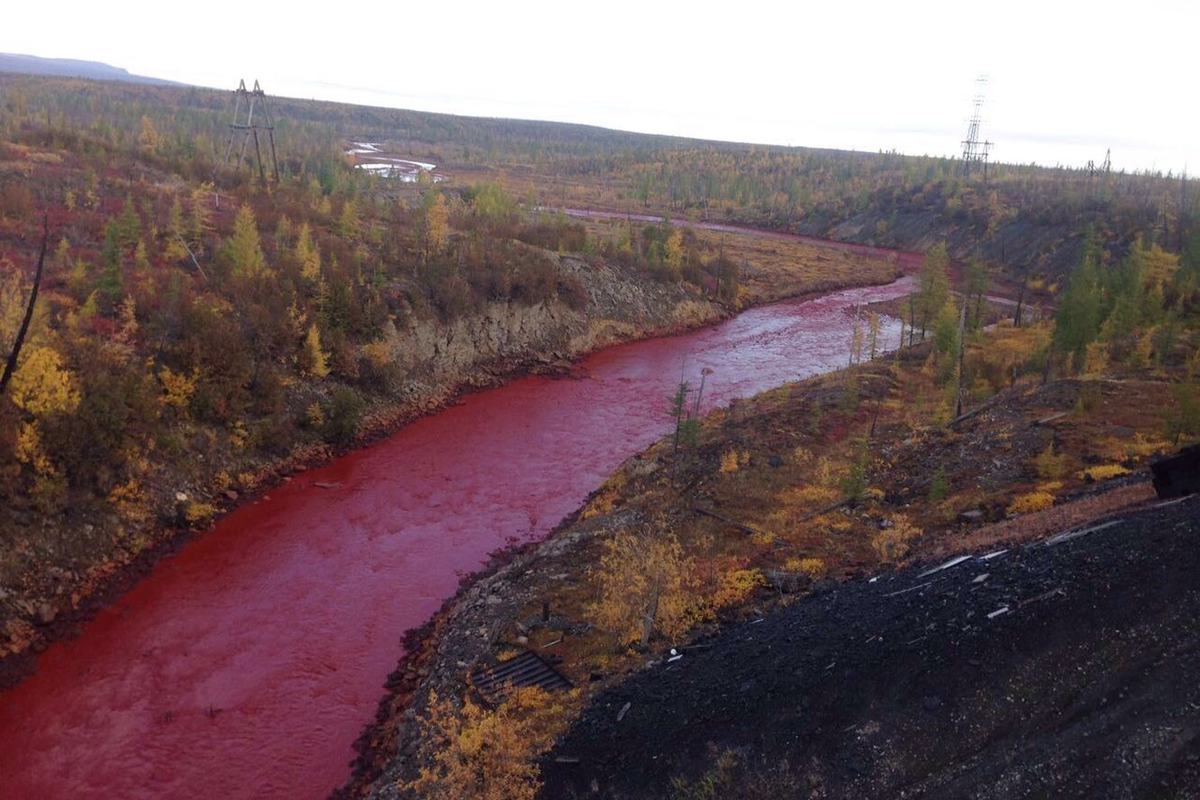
pixel 765 472
pixel 304 528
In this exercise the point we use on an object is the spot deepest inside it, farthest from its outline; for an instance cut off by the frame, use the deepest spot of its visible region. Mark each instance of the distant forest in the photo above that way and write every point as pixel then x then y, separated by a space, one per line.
pixel 1026 219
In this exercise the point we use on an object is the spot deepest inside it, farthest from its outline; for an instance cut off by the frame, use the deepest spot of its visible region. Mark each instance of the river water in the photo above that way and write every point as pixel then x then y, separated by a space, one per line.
pixel 245 665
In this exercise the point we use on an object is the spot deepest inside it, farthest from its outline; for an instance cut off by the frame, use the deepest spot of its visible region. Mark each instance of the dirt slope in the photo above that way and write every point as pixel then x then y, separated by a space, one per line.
pixel 914 685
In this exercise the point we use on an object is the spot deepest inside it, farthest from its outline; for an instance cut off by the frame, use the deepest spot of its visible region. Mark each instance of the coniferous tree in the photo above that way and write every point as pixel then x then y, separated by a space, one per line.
pixel 1078 314
pixel 933 286
pixel 245 251
pixel 110 283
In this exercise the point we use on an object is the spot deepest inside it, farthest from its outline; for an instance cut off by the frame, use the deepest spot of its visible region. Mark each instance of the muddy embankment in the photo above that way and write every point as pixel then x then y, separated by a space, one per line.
pixel 437 360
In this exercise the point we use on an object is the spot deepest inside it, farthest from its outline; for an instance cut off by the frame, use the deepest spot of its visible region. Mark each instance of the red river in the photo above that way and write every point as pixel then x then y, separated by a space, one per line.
pixel 245 665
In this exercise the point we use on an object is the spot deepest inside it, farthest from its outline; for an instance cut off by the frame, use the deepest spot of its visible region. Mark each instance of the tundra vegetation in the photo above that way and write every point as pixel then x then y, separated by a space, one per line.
pixel 195 328
pixel 861 470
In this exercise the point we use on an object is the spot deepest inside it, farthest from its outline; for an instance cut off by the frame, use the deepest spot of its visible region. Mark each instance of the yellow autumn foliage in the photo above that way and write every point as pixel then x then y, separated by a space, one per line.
pixel 42 385
pixel 1103 472
pixel 735 587
pixel 892 543
pixel 1049 464
pixel 197 511
pixel 177 387
pixel 476 753
pixel 640 582
pixel 313 361
pixel 244 248
pixel 814 568
pixel 314 415
pixel 308 254
pixel 29 449
pixel 129 500
pixel 378 352
pixel 1030 501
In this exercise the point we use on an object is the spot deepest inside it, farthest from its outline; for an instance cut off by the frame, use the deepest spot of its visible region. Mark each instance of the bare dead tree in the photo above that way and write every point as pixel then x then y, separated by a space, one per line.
pixel 10 365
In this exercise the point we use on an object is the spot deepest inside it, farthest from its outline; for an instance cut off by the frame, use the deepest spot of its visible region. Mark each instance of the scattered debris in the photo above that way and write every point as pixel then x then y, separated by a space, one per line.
pixel 624 710
pixel 1075 534
pixel 947 565
pixel 910 589
pixel 732 523
pixel 1044 596
pixel 1002 610
pixel 526 669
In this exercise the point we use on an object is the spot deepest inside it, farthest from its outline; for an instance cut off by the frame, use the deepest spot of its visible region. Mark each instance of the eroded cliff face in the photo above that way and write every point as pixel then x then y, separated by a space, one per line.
pixel 439 357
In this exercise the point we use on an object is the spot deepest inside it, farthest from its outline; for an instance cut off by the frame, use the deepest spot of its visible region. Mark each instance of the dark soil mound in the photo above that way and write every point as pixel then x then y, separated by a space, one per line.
pixel 1070 667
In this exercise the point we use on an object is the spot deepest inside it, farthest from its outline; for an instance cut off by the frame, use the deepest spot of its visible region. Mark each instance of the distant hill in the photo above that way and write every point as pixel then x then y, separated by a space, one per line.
pixel 73 68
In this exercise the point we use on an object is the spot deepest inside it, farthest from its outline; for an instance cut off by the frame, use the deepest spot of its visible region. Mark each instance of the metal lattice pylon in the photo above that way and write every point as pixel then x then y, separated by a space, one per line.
pixel 975 151
pixel 245 126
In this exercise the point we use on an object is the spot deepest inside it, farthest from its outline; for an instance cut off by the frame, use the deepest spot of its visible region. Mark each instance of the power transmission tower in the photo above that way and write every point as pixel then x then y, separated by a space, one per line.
pixel 1105 168
pixel 976 151
pixel 245 126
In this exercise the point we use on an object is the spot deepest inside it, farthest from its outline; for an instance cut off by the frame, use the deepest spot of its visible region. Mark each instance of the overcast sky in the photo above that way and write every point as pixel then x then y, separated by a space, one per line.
pixel 1065 83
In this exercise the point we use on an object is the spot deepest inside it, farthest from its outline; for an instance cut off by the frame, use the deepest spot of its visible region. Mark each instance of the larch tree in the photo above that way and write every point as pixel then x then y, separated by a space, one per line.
pixel 174 249
pixel 975 290
pixel 673 252
pixel 434 224
pixel 110 286
pixel 200 219
pixel 1077 314
pixel 148 138
pixel 348 219
pixel 933 286
pixel 245 250
pixel 1160 267
pixel 308 256
pixel 313 360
